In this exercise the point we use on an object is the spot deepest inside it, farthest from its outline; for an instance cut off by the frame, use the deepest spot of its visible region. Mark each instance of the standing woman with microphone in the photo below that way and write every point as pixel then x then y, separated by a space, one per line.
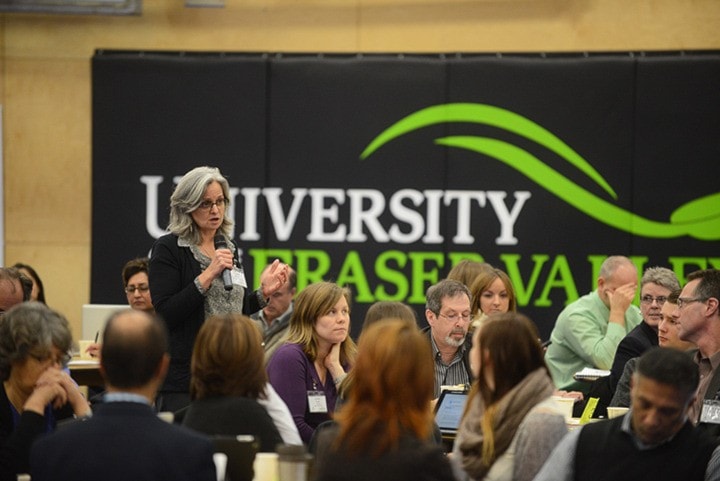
pixel 195 273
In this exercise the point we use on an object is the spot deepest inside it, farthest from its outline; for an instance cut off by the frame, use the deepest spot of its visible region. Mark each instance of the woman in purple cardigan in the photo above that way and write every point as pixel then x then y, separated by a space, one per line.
pixel 319 351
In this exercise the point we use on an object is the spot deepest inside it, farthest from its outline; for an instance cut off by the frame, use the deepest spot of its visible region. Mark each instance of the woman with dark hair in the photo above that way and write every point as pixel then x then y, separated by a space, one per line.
pixel 492 293
pixel 35 392
pixel 319 351
pixel 227 380
pixel 382 431
pixel 511 423
pixel 195 273
pixel 136 284
pixel 38 291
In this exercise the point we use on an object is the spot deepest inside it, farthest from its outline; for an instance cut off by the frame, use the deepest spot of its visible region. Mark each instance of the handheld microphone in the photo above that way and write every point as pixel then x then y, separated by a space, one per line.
pixel 220 243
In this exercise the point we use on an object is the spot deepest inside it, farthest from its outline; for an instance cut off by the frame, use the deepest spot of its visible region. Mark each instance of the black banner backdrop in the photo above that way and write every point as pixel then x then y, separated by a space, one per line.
pixel 380 172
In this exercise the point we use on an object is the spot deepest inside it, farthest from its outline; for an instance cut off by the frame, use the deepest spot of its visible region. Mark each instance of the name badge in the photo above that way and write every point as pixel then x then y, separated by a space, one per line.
pixel 710 412
pixel 317 402
pixel 238 277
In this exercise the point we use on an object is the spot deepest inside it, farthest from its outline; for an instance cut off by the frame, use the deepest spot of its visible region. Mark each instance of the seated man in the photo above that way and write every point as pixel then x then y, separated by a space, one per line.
pixel 654 440
pixel 274 318
pixel 125 439
pixel 668 336
pixel 655 286
pixel 447 310
pixel 588 331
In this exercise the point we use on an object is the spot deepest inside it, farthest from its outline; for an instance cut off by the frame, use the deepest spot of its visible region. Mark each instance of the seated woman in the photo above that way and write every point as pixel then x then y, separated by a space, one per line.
pixel 382 430
pixel 36 393
pixel 227 378
pixel 510 415
pixel 306 370
pixel 492 293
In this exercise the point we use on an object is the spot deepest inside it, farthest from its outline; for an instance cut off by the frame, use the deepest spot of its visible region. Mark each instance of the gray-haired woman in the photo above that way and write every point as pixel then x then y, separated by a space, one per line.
pixel 186 273
pixel 36 392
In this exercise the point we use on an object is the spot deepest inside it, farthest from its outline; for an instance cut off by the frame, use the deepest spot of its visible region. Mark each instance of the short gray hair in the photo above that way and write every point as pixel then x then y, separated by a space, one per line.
pixel 444 288
pixel 187 198
pixel 31 327
pixel 662 276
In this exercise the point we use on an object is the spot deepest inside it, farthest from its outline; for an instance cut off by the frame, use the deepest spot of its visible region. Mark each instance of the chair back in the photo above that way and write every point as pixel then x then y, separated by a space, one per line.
pixel 240 452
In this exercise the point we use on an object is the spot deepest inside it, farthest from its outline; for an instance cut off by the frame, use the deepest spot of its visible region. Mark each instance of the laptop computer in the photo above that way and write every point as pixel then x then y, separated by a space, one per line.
pixel 94 317
pixel 449 410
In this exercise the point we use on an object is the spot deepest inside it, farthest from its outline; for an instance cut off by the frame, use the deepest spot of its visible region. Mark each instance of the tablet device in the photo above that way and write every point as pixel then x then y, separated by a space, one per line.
pixel 449 410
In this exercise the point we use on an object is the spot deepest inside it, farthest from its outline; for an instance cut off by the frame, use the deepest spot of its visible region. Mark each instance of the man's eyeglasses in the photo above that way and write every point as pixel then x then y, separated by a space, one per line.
pixel 650 299
pixel 208 204
pixel 142 288
pixel 684 301
pixel 456 317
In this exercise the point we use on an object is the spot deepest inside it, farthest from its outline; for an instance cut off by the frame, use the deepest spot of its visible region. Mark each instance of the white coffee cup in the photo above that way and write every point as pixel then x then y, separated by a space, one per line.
pixel 266 467
pixel 565 405
pixel 84 344
pixel 616 412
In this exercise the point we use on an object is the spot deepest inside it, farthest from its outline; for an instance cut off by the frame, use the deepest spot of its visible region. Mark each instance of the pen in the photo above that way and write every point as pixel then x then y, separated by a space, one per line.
pixel 96 336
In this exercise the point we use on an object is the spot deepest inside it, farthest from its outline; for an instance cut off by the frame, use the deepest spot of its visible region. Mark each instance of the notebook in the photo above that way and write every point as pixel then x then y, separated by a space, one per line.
pixel 449 410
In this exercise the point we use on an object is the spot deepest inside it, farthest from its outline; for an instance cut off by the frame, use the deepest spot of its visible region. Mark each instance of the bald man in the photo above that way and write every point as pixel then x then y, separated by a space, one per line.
pixel 588 331
pixel 125 439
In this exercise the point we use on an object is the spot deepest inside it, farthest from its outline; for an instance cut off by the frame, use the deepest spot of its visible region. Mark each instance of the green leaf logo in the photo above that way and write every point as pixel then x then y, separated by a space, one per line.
pixel 699 218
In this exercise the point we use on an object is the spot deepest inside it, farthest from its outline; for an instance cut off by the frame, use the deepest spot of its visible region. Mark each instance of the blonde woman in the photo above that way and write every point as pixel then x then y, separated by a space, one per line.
pixel 319 351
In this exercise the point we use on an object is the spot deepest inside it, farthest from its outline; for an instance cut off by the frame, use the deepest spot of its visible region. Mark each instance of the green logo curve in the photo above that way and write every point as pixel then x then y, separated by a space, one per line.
pixel 699 218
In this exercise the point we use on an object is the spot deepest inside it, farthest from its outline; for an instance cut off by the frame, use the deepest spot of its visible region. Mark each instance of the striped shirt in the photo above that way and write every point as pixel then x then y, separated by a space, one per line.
pixel 449 374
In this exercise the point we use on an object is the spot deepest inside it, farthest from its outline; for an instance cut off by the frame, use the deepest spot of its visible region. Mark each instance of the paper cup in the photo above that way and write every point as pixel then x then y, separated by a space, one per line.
pixel 565 405
pixel 616 412
pixel 266 467
pixel 84 344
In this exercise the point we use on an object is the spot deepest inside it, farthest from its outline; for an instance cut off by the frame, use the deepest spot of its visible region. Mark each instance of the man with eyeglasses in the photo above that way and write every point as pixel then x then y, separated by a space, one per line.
pixel 668 336
pixel 274 319
pixel 588 330
pixel 698 315
pixel 447 310
pixel 655 286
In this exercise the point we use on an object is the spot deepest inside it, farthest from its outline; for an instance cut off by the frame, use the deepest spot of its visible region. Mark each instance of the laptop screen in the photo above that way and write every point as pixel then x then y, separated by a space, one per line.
pixel 449 410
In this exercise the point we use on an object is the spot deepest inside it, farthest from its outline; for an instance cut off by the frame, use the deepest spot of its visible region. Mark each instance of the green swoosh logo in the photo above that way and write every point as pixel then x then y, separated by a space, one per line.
pixel 699 218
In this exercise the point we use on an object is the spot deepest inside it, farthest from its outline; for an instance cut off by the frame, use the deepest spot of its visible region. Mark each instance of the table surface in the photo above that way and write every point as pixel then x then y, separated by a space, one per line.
pixel 86 372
